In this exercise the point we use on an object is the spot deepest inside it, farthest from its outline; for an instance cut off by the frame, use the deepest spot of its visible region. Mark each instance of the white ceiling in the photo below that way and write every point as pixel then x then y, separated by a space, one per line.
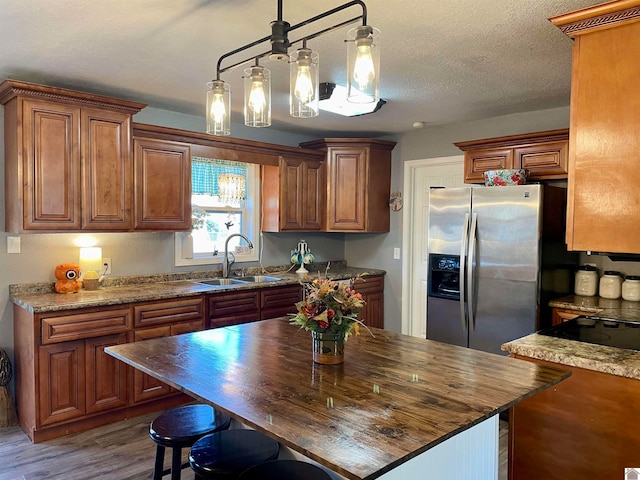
pixel 442 61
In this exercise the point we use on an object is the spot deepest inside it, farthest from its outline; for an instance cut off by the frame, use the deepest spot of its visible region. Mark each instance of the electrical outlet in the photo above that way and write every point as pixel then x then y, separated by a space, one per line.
pixel 396 253
pixel 106 262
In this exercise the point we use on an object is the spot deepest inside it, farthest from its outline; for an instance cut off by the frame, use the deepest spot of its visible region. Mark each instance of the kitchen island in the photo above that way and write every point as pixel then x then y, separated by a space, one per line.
pixel 398 407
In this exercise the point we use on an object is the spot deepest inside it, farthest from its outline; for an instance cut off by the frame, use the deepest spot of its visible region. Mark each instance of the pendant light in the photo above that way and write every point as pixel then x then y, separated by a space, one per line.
pixel 218 108
pixel 363 64
pixel 257 96
pixel 304 94
pixel 363 72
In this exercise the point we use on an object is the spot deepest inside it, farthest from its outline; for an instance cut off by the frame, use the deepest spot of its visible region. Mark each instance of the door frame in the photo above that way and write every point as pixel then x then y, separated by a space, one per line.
pixel 410 167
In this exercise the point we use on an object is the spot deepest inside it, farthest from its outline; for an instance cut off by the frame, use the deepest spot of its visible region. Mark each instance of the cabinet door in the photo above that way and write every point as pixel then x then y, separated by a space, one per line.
pixel 106 377
pixel 293 195
pixel 346 201
pixel 476 162
pixel 372 290
pixel 146 387
pixel 61 381
pixel 162 185
pixel 51 166
pixel 106 170
pixel 602 208
pixel 544 161
pixel 313 187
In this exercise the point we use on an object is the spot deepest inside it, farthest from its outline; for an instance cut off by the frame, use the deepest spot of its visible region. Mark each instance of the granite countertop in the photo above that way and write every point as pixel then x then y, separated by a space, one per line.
pixel 40 298
pixel 600 358
pixel 618 309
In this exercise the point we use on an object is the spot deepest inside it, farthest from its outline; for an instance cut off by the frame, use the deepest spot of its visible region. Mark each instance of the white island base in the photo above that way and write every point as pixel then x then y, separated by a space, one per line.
pixel 472 453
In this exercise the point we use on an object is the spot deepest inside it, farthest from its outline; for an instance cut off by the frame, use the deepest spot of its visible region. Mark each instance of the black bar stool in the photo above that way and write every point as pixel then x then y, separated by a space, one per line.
pixel 179 428
pixel 226 454
pixel 284 469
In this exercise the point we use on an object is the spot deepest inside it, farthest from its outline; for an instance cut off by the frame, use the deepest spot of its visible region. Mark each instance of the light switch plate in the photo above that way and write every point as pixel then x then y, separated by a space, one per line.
pixel 13 244
pixel 396 253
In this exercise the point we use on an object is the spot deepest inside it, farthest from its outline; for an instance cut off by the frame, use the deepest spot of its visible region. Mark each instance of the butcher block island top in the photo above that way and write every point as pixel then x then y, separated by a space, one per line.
pixel 392 399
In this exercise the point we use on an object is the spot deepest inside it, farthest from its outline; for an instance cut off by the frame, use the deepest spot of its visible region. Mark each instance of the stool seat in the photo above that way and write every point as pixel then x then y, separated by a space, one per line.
pixel 284 469
pixel 179 428
pixel 227 453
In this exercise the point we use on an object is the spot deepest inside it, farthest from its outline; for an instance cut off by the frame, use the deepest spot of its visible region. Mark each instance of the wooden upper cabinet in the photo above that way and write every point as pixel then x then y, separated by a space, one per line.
pixel 293 195
pixel 43 192
pixel 107 170
pixel 67 159
pixel 544 155
pixel 162 185
pixel 603 194
pixel 358 183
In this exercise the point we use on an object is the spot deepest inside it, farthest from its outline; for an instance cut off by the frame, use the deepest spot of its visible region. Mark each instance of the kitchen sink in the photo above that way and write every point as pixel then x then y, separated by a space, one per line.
pixel 258 279
pixel 222 281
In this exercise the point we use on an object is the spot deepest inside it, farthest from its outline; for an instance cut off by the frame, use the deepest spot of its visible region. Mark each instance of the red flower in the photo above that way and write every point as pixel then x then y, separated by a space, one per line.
pixel 323 324
pixel 330 314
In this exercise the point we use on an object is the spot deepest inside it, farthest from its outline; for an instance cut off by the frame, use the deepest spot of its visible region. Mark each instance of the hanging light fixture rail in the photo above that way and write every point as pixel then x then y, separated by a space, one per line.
pixel 363 45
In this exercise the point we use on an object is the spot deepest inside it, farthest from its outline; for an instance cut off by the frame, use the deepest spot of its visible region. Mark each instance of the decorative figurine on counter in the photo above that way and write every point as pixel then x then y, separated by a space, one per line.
pixel 301 256
pixel 68 278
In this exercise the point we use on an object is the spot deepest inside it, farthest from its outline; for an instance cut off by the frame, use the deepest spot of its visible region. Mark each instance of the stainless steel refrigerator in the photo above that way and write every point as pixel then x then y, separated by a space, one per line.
pixel 484 264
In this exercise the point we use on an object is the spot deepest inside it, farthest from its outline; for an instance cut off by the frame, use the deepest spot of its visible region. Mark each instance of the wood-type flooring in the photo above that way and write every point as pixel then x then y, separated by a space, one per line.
pixel 120 451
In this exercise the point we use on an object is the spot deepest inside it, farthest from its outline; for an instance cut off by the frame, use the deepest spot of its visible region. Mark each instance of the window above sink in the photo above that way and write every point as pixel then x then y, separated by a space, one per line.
pixel 225 200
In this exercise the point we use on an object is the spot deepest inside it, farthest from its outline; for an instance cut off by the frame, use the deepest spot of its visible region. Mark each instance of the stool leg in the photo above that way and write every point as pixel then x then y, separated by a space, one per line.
pixel 157 468
pixel 176 463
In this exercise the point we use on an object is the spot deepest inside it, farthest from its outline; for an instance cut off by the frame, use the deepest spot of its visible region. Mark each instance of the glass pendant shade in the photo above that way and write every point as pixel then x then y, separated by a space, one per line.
pixel 303 96
pixel 218 108
pixel 363 64
pixel 257 97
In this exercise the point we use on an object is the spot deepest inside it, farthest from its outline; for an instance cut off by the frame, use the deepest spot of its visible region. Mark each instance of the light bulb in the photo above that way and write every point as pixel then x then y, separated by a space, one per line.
pixel 363 70
pixel 304 84
pixel 218 110
pixel 257 98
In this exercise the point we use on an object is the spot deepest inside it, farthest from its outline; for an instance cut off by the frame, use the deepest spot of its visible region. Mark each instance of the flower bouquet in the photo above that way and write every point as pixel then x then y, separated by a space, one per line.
pixel 330 311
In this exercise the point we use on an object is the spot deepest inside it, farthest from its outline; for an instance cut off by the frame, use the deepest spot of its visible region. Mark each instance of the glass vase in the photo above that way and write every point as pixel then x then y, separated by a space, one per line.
pixel 328 348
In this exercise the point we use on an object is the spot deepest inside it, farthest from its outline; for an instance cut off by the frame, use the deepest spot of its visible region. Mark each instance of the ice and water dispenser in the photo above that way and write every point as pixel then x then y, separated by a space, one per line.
pixel 444 276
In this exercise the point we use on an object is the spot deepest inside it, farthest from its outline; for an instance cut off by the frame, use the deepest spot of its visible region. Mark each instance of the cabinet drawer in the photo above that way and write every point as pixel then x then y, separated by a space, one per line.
pixel 85 325
pixel 368 284
pixel 158 313
pixel 281 297
pixel 235 304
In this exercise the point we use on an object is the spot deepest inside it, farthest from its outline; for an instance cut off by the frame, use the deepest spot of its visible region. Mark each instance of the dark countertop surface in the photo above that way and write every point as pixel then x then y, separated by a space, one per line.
pixel 265 378
pixel 39 298
pixel 601 358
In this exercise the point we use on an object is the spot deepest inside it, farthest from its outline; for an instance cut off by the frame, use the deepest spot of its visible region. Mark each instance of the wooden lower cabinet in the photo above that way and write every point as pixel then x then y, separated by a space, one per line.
pixel 106 377
pixel 233 308
pixel 559 315
pixel 279 301
pixel 61 382
pixel 372 289
pixel 66 383
pixel 583 427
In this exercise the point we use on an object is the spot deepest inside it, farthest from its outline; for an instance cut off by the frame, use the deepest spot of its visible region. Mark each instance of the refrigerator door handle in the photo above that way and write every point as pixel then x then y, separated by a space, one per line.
pixel 470 284
pixel 463 259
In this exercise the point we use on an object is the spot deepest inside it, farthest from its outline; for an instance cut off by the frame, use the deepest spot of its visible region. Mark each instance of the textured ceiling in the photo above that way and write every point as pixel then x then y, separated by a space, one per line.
pixel 442 61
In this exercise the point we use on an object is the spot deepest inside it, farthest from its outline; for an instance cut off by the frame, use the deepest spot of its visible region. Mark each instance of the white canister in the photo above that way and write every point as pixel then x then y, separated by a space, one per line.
pixel 611 284
pixel 631 288
pixel 586 281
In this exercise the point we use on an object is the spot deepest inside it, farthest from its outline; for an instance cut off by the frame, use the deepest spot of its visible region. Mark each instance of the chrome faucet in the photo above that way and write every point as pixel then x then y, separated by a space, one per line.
pixel 226 263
